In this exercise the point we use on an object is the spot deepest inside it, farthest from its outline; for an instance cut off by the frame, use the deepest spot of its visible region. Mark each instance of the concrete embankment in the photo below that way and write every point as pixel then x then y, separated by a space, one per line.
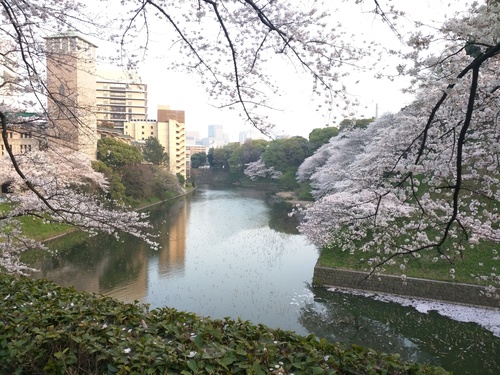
pixel 466 294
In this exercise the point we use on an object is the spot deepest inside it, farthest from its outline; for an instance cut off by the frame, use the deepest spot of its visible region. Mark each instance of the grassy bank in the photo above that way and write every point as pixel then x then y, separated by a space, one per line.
pixel 41 230
pixel 466 269
pixel 37 228
pixel 46 329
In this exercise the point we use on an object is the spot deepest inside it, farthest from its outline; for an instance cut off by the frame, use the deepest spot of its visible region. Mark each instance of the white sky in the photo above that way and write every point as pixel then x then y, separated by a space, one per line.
pixel 298 115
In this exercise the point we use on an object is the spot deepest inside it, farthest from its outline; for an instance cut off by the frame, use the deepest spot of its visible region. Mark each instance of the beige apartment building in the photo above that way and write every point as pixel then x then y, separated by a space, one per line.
pixel 190 151
pixel 120 97
pixel 26 136
pixel 169 129
pixel 71 85
pixel 26 130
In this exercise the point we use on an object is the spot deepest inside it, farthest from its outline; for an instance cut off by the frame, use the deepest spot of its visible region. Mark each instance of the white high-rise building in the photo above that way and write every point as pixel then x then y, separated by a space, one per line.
pixel 120 97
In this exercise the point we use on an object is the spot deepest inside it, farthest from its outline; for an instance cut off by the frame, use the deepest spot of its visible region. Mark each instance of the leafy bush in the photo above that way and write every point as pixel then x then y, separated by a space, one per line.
pixel 47 329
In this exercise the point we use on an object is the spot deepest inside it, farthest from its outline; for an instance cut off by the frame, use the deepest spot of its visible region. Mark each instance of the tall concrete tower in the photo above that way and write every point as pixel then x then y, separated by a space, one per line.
pixel 71 85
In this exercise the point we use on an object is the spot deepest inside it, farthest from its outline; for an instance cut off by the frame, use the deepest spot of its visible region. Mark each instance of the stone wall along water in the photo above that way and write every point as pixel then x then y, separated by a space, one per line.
pixel 425 289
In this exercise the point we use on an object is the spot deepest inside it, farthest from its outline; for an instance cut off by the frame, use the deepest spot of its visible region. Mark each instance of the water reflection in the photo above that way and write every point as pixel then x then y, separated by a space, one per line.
pixel 171 221
pixel 280 221
pixel 228 253
pixel 217 257
pixel 463 347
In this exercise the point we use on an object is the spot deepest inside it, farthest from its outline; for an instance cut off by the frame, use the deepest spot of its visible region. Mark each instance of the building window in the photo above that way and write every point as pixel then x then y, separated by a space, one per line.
pixel 117 94
pixel 72 44
pixel 152 134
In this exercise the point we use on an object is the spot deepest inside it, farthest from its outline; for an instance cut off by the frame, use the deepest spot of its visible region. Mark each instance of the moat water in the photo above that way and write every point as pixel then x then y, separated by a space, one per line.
pixel 231 253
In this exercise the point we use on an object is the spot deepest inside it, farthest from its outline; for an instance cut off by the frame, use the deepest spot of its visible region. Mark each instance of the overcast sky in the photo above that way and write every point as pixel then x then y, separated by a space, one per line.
pixel 298 116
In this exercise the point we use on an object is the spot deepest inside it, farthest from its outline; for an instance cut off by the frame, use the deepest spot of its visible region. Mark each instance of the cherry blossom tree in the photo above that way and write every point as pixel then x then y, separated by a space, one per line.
pixel 258 169
pixel 57 186
pixel 231 44
pixel 422 182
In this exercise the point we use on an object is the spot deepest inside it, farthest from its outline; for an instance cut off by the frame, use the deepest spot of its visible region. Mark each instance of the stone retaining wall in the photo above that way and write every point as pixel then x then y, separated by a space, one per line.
pixel 419 288
pixel 210 177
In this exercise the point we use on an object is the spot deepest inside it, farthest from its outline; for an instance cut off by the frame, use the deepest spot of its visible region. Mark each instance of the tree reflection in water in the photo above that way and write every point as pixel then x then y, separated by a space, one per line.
pixel 463 348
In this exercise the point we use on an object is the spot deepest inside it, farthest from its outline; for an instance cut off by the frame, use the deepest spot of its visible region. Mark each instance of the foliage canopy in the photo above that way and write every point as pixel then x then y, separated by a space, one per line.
pixel 154 152
pixel 115 153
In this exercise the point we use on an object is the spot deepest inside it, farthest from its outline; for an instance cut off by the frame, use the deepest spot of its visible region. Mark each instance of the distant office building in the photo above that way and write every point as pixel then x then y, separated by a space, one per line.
pixel 242 137
pixel 26 133
pixel 192 138
pixel 120 97
pixel 190 151
pixel 250 134
pixel 72 86
pixel 216 131
pixel 216 137
pixel 169 129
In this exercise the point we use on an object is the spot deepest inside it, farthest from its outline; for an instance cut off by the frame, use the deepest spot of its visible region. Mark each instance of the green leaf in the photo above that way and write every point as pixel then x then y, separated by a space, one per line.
pixel 112 369
pixel 228 360
pixel 192 365
pixel 317 370
pixel 198 341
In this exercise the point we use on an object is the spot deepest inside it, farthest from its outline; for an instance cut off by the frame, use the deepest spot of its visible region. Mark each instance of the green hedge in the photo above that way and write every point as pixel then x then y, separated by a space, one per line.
pixel 47 329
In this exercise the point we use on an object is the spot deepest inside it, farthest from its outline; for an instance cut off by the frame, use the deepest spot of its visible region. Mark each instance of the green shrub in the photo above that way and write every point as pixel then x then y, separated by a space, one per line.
pixel 47 329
